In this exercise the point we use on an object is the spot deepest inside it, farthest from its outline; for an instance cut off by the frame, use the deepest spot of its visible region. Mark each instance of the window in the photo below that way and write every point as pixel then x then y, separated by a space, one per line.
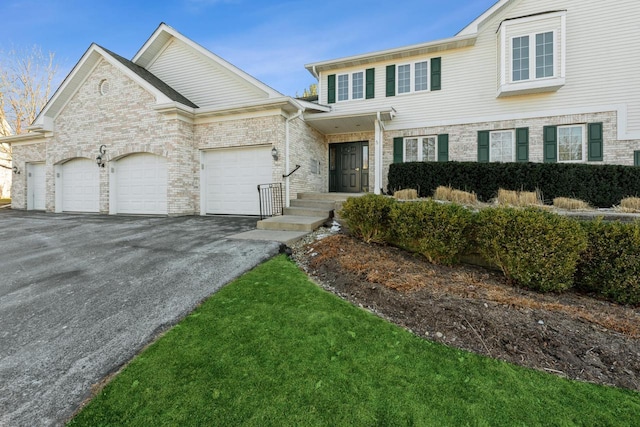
pixel 420 149
pixel 570 143
pixel 523 61
pixel 420 81
pixel 501 146
pixel 353 80
pixel 544 55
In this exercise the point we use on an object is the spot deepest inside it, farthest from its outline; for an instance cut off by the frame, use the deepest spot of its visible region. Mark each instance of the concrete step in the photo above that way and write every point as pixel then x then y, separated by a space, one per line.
pixel 313 204
pixel 291 223
pixel 286 237
pixel 303 211
pixel 328 196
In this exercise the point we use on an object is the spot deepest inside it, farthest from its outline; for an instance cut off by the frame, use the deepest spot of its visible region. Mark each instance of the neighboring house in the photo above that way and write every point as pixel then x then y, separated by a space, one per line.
pixel 5 161
pixel 181 131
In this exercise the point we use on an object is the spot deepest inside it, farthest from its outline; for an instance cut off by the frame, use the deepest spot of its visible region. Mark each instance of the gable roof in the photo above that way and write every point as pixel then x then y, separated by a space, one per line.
pixel 162 92
pixel 154 46
pixel 472 28
pixel 153 80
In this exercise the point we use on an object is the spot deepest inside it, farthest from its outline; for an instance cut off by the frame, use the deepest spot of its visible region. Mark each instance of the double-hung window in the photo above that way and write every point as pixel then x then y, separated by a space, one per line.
pixel 571 145
pixel 413 77
pixel 351 86
pixel 420 149
pixel 541 61
pixel 502 146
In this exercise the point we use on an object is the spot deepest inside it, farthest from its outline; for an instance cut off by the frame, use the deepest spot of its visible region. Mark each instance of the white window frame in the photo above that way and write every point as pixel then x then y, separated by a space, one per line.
pixel 584 143
pixel 419 139
pixel 351 86
pixel 532 57
pixel 513 145
pixel 412 77
pixel 508 31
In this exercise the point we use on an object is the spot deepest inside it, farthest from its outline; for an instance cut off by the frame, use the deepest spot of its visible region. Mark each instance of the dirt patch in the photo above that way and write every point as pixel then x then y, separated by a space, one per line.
pixel 471 308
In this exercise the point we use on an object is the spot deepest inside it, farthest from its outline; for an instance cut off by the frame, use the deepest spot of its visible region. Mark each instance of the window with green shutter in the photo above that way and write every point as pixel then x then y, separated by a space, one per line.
pixel 522 145
pixel 436 73
pixel 595 138
pixel 483 146
pixel 371 83
pixel 636 158
pixel 443 147
pixel 331 89
pixel 391 80
pixel 550 138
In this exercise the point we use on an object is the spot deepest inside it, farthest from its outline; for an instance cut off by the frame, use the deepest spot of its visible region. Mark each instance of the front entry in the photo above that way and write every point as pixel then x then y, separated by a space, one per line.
pixel 349 167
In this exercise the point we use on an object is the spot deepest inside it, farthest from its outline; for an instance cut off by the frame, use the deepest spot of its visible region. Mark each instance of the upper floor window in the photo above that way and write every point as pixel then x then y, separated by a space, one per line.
pixel 351 86
pixel 532 53
pixel 420 80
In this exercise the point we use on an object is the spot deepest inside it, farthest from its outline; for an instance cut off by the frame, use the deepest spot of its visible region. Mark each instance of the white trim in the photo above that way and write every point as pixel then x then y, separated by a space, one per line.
pixel 57 171
pixel 350 75
pixel 620 109
pixel 563 43
pixel 472 28
pixel 420 153
pixel 513 144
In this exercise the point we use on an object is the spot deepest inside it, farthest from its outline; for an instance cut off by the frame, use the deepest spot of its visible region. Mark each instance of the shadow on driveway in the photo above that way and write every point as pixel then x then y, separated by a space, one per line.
pixel 80 295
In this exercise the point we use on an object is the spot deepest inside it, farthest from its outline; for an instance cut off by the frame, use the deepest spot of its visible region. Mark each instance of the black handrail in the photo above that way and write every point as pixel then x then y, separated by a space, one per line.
pixel 291 173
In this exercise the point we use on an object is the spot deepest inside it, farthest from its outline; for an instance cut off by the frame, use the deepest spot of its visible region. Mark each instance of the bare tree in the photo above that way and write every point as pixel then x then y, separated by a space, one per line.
pixel 26 78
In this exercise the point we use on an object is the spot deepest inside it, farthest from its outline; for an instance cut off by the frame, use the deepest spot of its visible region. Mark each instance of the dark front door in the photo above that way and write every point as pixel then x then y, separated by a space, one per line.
pixel 348 167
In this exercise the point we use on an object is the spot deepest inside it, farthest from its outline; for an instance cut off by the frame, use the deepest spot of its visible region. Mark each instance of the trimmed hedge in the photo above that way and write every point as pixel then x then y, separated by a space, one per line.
pixel 599 185
pixel 438 231
pixel 368 217
pixel 534 249
pixel 610 265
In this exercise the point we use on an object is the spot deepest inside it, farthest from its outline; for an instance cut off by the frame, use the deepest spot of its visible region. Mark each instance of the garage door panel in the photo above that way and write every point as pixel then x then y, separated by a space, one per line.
pixel 232 177
pixel 141 184
pixel 80 186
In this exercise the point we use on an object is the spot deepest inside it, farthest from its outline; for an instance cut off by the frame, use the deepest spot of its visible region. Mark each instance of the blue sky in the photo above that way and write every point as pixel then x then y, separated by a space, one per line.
pixel 271 40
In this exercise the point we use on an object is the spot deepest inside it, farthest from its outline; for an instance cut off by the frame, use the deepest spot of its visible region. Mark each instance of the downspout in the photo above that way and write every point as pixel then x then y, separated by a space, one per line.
pixel 287 162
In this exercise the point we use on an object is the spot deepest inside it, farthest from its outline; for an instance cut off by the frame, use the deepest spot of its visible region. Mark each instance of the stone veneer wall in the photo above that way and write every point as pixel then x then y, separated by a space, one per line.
pixel 463 139
pixel 307 146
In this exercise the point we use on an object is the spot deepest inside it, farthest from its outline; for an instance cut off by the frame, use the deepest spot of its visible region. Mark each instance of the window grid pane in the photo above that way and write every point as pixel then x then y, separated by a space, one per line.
pixel 421 76
pixel 570 144
pixel 520 58
pixel 411 150
pixel 404 78
pixel 429 149
pixel 544 55
pixel 358 85
pixel 501 146
pixel 343 87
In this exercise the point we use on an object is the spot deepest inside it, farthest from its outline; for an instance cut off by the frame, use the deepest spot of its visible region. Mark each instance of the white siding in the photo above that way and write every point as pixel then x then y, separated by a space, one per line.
pixel 601 70
pixel 201 80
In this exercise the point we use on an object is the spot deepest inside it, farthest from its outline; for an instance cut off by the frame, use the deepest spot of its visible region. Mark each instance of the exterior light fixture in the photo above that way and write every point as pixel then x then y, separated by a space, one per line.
pixel 16 171
pixel 100 157
pixel 274 153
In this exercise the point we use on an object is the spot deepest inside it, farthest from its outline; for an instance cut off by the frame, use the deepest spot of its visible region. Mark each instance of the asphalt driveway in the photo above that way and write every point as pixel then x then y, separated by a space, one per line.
pixel 80 295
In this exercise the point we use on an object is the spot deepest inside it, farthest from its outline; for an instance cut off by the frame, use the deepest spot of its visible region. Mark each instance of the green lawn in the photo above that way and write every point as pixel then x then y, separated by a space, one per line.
pixel 273 349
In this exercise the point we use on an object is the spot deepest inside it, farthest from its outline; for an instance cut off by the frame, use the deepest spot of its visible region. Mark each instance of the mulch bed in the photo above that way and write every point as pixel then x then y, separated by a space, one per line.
pixel 475 309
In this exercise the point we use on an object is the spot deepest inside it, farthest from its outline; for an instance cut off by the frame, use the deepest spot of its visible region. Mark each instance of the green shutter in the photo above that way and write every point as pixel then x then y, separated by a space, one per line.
pixel 483 146
pixel 331 87
pixel 443 147
pixel 595 142
pixel 371 83
pixel 550 144
pixel 436 73
pixel 391 80
pixel 522 145
pixel 398 149
pixel 636 158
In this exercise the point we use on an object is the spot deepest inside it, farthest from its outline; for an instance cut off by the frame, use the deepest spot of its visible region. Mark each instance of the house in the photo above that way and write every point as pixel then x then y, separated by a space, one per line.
pixel 178 130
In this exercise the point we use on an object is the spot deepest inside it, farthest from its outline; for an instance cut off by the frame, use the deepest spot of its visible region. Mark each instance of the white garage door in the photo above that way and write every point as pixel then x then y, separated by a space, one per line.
pixel 141 184
pixel 80 186
pixel 231 178
pixel 36 187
